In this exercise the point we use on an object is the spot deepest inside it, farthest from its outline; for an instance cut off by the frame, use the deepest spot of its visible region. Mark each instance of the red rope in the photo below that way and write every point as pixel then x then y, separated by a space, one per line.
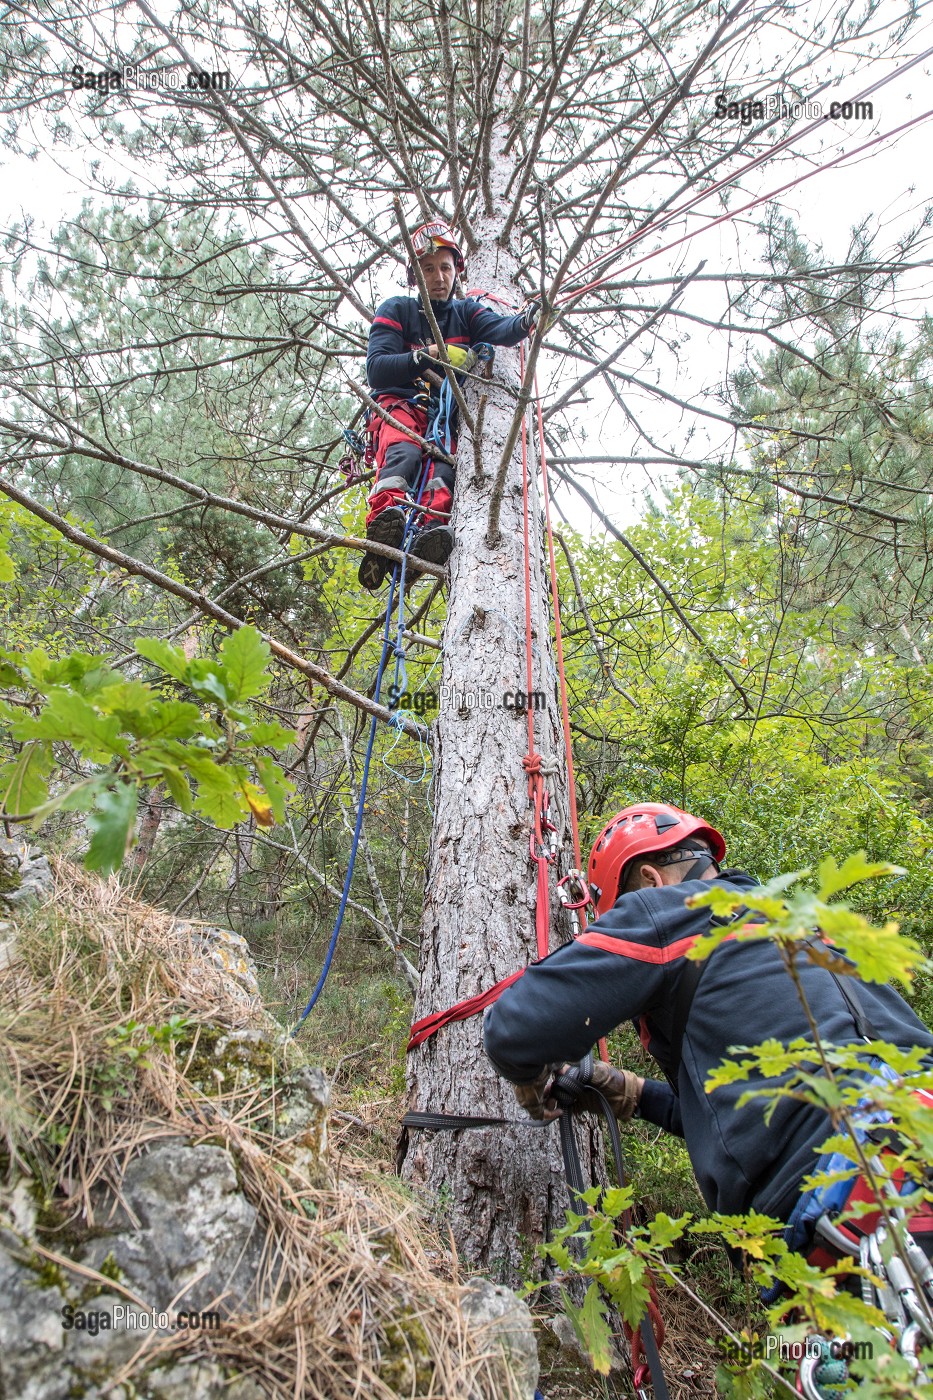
pixel 533 760
pixel 537 793
pixel 558 636
pixel 561 672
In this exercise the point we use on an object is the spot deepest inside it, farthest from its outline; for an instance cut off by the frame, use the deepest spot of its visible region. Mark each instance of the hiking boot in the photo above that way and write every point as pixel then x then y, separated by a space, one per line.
pixel 387 528
pixel 433 545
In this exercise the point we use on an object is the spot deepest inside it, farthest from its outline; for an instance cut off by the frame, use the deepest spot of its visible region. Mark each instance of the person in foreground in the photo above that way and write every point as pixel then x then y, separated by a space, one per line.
pixel 631 964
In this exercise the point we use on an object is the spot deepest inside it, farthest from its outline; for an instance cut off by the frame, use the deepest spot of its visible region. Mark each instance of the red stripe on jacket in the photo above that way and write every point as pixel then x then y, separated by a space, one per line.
pixel 641 952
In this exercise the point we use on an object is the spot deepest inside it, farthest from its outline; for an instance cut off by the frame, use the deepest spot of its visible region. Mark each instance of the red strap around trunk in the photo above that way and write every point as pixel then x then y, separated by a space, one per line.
pixel 426 1027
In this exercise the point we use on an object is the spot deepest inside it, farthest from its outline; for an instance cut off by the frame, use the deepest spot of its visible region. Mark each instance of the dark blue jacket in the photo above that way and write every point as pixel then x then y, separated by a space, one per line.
pixel 627 965
pixel 400 326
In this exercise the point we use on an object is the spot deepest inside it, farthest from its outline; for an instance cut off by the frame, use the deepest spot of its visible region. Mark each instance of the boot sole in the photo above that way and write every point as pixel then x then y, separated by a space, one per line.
pixel 432 548
pixel 388 528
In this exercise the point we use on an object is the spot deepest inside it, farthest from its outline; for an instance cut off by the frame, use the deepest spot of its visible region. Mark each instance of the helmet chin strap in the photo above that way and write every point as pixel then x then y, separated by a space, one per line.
pixel 704 859
pixel 702 863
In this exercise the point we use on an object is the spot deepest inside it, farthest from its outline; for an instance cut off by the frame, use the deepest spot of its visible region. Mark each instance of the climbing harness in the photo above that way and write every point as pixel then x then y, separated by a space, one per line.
pixel 898 1281
pixel 883 1240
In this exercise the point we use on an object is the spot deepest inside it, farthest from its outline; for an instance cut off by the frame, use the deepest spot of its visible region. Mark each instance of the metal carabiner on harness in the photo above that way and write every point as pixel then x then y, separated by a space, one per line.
pixel 548 829
pixel 577 895
pixel 357 451
pixel 574 893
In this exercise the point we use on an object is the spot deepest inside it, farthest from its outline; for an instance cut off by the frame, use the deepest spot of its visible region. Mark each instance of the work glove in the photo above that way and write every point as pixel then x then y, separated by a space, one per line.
pixel 534 1100
pixel 533 319
pixel 619 1087
pixel 461 356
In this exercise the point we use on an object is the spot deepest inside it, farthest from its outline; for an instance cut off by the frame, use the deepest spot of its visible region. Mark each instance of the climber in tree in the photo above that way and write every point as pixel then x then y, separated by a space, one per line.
pixel 646 863
pixel 406 384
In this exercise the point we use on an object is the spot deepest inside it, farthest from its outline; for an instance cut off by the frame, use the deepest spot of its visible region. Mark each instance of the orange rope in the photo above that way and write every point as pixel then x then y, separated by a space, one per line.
pixel 531 763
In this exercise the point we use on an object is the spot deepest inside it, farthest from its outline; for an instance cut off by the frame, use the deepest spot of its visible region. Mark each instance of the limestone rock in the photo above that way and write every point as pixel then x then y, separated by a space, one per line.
pixel 25 875
pixel 181 1231
pixel 500 1319
pixel 301 1116
pixel 229 953
pixel 181 1216
pixel 199 1380
pixel 25 879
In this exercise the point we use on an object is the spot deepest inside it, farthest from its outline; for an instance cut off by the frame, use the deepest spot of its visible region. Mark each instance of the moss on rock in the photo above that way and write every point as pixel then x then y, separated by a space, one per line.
pixel 405 1364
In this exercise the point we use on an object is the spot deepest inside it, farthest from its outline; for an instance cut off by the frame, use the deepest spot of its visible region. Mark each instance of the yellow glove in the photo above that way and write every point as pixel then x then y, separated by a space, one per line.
pixel 461 356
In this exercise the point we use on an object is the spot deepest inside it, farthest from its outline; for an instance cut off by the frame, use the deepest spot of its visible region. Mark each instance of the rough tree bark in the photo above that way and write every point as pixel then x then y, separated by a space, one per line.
pixel 479 913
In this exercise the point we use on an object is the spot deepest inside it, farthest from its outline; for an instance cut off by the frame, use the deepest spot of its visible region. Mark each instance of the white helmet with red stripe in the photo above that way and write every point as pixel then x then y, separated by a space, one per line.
pixel 430 238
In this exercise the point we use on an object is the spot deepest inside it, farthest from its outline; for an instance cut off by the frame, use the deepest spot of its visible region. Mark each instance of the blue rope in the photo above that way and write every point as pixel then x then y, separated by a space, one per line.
pixel 398 648
pixel 440 431
pixel 359 823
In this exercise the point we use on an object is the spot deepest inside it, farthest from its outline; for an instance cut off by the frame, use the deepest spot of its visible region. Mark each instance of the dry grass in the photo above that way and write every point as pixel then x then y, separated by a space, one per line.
pixel 92 1069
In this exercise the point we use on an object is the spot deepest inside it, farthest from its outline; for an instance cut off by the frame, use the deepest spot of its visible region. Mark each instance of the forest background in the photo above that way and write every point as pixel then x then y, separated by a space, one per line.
pixel 178 363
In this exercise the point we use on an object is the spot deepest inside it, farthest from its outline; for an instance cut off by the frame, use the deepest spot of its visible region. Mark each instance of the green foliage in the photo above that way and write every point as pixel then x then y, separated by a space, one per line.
pixel 128 1049
pixel 125 734
pixel 876 954
pixel 832 753
pixel 831 1077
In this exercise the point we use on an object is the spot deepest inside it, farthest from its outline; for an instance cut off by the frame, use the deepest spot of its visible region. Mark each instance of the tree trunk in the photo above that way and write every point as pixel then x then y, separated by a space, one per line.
pixel 150 822
pixel 502 1188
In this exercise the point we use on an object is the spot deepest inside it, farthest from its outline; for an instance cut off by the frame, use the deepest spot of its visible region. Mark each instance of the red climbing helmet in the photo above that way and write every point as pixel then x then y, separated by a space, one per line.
pixel 430 238
pixel 637 831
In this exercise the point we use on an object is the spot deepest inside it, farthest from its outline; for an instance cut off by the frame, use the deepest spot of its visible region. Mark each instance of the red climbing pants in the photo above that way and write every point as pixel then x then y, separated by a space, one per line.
pixel 399 464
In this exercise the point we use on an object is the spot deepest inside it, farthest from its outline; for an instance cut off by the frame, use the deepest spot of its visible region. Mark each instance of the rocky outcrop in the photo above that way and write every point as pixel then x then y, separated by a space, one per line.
pixel 25 875
pixel 502 1321
pixel 228 952
pixel 25 879
pixel 170 1228
pixel 66 1332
